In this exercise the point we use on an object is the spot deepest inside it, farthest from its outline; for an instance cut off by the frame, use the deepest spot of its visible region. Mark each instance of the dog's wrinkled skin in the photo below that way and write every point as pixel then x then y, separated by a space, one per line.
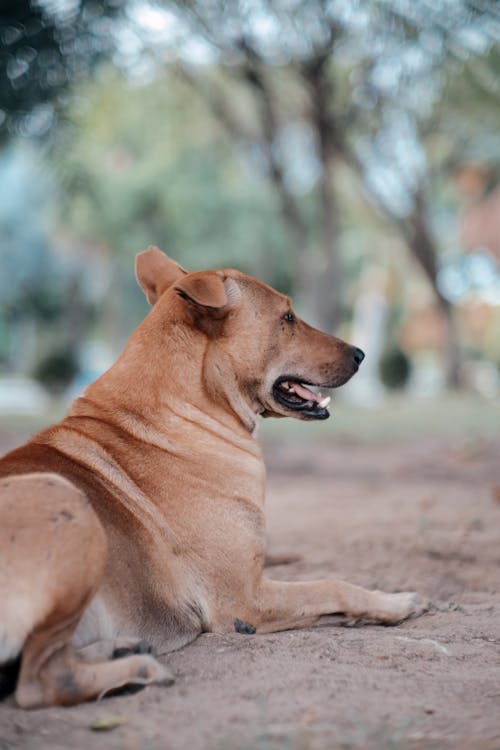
pixel 141 514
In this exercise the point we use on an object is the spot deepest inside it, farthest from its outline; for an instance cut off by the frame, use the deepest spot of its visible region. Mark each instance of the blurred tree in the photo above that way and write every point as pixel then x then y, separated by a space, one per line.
pixel 45 47
pixel 42 305
pixel 406 137
pixel 131 174
pixel 303 89
pixel 371 105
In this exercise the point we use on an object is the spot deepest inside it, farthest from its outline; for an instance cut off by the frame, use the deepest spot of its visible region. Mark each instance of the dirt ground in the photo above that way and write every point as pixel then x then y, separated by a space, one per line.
pixel 419 515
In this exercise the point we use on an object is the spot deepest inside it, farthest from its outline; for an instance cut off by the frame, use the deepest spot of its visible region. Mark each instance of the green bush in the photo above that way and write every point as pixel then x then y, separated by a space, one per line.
pixel 56 370
pixel 394 368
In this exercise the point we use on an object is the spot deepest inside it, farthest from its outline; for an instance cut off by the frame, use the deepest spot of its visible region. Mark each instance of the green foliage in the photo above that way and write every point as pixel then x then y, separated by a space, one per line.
pixel 394 368
pixel 44 47
pixel 145 164
pixel 43 301
pixel 56 370
pixel 259 162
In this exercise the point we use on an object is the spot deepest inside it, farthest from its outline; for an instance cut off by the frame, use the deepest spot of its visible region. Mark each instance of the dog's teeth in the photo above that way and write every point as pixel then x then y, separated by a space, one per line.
pixel 323 404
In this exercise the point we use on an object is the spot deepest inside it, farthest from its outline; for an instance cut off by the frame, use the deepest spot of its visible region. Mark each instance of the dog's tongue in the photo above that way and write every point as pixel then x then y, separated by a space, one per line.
pixel 305 393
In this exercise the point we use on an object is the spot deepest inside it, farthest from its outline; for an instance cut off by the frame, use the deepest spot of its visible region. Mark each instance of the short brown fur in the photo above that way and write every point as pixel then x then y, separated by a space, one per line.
pixel 141 514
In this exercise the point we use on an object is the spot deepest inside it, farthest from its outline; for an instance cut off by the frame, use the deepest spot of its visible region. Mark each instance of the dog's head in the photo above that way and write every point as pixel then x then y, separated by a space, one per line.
pixel 255 348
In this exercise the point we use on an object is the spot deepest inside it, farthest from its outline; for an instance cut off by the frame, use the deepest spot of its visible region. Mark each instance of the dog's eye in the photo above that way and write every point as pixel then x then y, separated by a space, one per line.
pixel 289 317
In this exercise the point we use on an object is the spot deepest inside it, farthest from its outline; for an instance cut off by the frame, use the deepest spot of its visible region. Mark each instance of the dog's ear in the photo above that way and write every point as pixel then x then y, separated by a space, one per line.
pixel 155 273
pixel 209 292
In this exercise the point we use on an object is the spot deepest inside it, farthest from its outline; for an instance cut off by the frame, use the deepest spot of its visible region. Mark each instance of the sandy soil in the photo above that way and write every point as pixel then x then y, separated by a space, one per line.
pixel 422 516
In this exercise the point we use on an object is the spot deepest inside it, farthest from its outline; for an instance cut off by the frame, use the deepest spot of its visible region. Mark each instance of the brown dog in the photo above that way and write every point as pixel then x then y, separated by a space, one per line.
pixel 141 515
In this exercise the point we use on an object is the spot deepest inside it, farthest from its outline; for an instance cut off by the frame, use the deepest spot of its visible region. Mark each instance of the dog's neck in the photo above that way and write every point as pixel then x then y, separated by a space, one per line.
pixel 151 379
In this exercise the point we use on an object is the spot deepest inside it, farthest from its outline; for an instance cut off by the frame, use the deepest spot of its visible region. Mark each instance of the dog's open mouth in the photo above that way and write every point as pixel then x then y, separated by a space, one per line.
pixel 295 395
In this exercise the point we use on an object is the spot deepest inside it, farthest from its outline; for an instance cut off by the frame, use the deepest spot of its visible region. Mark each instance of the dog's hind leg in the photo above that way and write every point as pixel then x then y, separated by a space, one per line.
pixel 53 552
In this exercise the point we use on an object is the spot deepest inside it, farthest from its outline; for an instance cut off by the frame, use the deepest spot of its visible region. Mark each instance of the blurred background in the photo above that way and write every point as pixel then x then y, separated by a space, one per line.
pixel 346 152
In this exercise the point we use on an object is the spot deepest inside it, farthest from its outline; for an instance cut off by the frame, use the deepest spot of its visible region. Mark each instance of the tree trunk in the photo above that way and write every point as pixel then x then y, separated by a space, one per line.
pixel 296 230
pixel 452 349
pixel 418 238
pixel 421 243
pixel 328 297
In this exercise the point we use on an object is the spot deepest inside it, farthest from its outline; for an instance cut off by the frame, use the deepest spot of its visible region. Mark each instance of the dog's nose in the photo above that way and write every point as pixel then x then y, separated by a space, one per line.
pixel 359 355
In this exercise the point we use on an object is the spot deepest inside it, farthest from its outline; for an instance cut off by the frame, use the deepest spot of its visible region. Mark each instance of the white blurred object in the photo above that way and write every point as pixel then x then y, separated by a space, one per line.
pixel 368 332
pixel 427 376
pixel 483 377
pixel 97 355
pixel 95 358
pixel 22 396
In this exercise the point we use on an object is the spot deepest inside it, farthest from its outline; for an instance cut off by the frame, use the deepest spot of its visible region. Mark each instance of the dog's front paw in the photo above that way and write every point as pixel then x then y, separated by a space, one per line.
pixel 393 608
